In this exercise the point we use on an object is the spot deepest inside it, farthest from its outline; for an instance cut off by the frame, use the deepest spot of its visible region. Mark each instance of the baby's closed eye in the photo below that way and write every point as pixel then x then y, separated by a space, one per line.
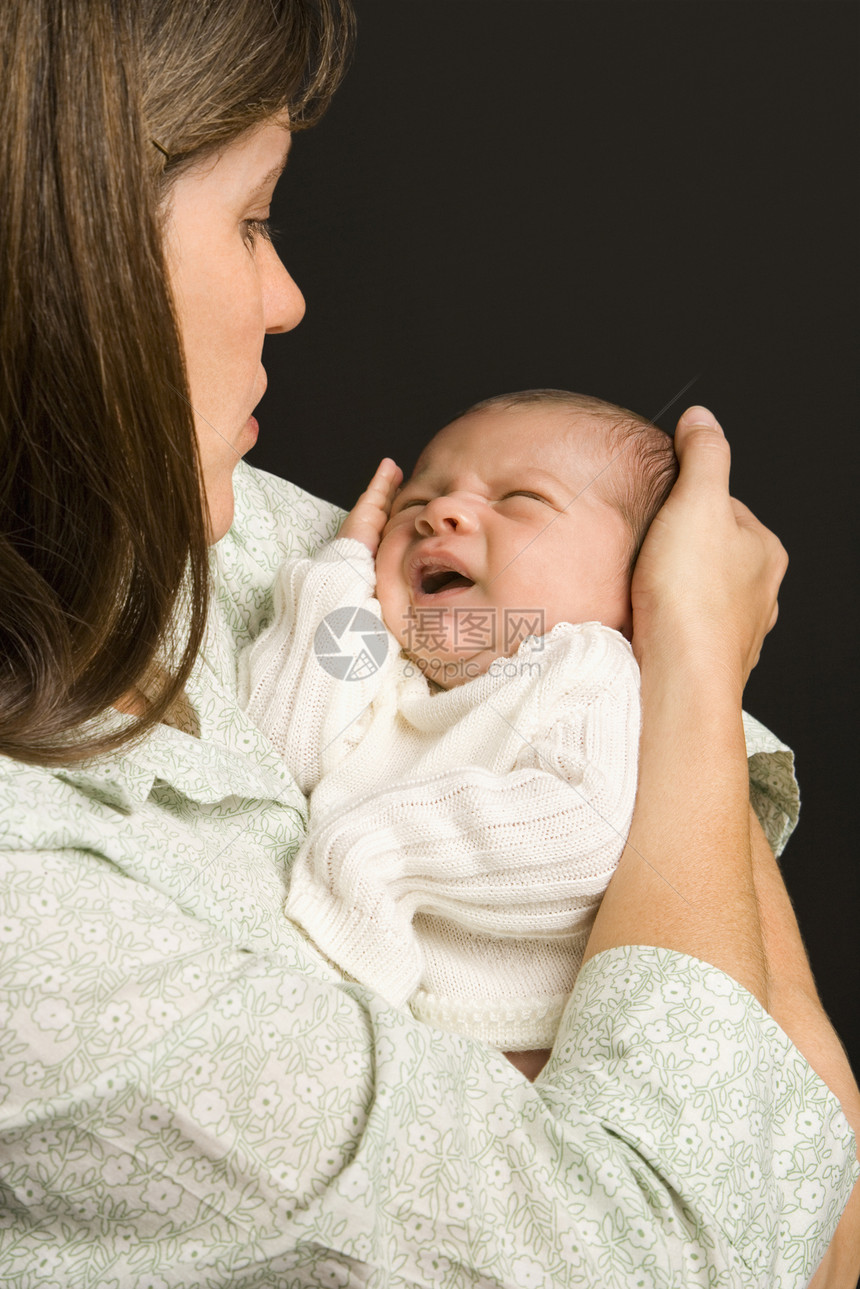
pixel 521 492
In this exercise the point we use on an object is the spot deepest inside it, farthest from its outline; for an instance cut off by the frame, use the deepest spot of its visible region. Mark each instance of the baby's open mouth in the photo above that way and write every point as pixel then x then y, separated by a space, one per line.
pixel 442 579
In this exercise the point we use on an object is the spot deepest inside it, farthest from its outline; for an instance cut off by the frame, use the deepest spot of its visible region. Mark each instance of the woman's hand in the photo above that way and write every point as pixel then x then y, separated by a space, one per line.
pixel 369 515
pixel 705 587
pixel 704 597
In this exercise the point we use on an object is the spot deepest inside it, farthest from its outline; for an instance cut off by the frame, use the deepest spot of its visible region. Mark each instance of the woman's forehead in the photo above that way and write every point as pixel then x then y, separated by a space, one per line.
pixel 252 161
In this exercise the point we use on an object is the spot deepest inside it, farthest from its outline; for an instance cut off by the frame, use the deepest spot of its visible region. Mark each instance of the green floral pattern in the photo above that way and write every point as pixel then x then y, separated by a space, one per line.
pixel 192 1096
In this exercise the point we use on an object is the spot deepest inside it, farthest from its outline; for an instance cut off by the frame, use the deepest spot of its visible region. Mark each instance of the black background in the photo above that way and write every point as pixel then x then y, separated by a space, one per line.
pixel 624 199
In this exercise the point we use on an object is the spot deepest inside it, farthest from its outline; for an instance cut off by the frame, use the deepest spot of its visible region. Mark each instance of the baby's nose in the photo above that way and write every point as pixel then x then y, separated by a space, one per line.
pixel 455 512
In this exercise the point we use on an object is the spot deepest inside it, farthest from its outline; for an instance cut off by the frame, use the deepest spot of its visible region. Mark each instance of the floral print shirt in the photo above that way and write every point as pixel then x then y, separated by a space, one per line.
pixel 191 1095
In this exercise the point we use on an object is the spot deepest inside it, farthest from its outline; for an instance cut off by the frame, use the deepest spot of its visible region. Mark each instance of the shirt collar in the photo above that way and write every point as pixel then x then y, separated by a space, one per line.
pixel 231 758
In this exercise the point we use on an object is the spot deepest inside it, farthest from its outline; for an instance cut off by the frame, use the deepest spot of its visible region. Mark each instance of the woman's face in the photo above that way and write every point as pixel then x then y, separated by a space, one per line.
pixel 230 289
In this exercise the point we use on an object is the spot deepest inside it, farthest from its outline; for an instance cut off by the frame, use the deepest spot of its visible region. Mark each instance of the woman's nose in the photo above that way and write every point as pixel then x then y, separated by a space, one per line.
pixel 283 302
pixel 453 513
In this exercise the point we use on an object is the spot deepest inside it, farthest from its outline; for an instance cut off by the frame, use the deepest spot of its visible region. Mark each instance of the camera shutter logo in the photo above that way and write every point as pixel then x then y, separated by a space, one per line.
pixel 351 643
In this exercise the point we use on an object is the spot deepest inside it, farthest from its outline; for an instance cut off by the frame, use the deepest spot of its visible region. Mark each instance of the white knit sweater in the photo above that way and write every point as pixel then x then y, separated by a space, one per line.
pixel 459 841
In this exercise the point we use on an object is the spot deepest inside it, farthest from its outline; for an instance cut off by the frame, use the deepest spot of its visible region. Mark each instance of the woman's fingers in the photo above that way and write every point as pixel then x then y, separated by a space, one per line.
pixel 777 552
pixel 707 578
pixel 774 560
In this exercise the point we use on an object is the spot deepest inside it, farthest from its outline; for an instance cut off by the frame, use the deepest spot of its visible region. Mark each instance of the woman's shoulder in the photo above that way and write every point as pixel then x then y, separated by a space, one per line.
pixel 274 520
pixel 50 808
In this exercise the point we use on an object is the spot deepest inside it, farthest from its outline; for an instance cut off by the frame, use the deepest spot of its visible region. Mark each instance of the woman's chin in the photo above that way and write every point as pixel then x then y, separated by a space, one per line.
pixel 248 437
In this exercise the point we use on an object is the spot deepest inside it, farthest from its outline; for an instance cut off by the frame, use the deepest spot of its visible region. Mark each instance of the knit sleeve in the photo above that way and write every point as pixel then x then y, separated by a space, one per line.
pixel 315 669
pixel 526 854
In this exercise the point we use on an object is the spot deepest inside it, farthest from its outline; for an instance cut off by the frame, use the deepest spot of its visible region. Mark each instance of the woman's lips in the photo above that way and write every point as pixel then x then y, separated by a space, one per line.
pixel 251 428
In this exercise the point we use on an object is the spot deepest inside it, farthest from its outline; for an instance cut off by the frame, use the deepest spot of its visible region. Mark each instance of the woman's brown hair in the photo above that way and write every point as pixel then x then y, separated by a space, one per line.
pixel 103 557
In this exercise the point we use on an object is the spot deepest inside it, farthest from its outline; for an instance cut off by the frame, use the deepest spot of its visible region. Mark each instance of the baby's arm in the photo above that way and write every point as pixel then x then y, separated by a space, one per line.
pixel 368 517
pixel 290 683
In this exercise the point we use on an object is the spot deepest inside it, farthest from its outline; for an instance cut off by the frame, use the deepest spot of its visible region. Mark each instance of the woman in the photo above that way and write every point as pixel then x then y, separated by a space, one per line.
pixel 191 1095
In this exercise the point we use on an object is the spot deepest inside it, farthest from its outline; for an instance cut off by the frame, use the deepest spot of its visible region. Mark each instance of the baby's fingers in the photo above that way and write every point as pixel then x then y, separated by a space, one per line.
pixel 382 487
pixel 366 520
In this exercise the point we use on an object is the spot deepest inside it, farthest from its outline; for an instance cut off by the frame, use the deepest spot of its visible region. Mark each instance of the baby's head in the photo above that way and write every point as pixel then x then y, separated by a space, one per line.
pixel 526 511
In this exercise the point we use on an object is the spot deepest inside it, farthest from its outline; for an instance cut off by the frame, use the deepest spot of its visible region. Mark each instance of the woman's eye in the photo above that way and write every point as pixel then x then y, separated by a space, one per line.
pixel 256 229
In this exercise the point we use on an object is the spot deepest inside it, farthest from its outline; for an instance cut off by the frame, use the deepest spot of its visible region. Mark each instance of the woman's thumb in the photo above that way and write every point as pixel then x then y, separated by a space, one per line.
pixel 702 451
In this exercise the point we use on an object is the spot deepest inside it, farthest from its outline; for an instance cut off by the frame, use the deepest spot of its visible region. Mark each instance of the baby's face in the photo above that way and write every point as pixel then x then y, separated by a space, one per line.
pixel 498 535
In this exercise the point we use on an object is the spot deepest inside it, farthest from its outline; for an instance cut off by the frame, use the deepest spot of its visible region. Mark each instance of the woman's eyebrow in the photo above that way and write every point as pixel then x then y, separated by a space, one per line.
pixel 268 178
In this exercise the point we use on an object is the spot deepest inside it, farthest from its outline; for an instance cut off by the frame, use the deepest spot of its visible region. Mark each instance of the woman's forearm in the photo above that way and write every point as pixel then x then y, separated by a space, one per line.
pixel 693 831
pixel 793 999
pixel 685 879
pixel 793 1002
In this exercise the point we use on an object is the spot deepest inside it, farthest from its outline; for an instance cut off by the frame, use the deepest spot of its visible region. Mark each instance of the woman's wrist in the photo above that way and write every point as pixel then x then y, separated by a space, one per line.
pixel 687 651
pixel 680 671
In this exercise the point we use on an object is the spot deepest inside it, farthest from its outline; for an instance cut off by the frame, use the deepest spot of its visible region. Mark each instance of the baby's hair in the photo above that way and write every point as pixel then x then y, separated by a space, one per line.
pixel 643 454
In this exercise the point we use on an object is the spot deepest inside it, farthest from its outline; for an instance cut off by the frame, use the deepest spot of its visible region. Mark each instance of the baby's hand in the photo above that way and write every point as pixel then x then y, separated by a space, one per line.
pixel 368 517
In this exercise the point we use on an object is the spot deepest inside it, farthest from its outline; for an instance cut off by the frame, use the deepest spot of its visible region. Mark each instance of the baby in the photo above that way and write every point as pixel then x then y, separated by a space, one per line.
pixel 469 736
